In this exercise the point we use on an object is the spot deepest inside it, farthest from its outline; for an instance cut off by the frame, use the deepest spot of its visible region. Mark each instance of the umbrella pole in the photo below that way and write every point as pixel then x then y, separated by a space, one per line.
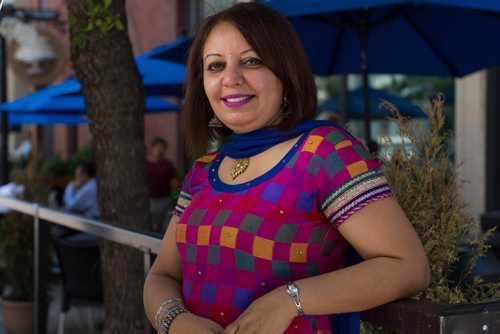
pixel 343 99
pixel 363 39
pixel 366 107
pixel 4 125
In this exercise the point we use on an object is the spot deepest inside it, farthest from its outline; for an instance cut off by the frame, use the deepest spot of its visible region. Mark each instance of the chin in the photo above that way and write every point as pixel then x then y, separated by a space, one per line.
pixel 241 126
pixel 244 128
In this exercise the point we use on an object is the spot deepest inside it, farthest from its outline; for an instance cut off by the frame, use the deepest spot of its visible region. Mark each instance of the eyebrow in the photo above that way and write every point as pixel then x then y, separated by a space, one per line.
pixel 219 55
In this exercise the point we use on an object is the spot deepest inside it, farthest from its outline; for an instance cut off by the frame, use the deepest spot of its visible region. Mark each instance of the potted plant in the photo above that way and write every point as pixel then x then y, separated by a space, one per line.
pixel 424 179
pixel 57 170
pixel 17 254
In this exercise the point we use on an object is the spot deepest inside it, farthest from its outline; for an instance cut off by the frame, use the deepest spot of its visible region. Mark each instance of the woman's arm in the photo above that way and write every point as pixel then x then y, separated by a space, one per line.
pixel 395 267
pixel 164 281
pixel 395 264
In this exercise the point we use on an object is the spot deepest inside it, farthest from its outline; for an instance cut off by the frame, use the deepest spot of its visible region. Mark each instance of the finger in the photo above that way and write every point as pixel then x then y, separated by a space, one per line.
pixel 231 329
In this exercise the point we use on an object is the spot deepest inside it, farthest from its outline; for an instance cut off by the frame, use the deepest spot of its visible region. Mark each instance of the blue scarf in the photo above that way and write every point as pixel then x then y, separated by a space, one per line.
pixel 249 144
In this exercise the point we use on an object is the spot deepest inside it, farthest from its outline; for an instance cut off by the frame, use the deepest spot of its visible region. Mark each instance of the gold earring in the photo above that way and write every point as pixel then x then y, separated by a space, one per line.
pixel 285 103
pixel 286 112
pixel 215 122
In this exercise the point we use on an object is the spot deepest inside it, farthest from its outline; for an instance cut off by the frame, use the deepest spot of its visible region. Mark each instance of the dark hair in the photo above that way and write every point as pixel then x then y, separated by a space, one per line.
pixel 274 40
pixel 87 167
pixel 159 140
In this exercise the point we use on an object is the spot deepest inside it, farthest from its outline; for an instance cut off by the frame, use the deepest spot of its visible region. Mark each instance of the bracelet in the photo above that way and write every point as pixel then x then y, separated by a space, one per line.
pixel 293 292
pixel 167 312
pixel 162 306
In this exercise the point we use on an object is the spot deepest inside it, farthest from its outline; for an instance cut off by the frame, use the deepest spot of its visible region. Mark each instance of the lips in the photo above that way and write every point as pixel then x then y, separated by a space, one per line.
pixel 236 100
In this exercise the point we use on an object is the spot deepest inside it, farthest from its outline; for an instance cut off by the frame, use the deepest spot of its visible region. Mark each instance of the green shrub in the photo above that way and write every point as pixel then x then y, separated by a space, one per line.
pixel 16 236
pixel 425 181
pixel 56 167
pixel 16 254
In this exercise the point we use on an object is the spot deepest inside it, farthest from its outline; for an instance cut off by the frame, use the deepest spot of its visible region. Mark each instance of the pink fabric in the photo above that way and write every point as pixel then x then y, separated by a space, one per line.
pixel 239 242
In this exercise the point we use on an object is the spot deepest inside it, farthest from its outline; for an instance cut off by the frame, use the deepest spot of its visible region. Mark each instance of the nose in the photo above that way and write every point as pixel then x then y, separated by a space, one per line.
pixel 233 76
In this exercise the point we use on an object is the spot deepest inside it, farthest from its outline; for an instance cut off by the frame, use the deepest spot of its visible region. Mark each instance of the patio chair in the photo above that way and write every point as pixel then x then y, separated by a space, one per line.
pixel 78 256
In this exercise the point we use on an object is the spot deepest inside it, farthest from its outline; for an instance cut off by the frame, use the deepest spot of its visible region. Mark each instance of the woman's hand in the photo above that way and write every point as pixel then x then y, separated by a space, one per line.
pixel 189 323
pixel 270 314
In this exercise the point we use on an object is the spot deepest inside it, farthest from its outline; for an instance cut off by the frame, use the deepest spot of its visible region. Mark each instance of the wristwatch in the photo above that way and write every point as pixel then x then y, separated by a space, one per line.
pixel 293 291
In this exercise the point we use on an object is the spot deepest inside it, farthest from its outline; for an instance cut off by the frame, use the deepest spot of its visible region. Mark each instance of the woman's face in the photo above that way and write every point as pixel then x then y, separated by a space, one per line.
pixel 243 92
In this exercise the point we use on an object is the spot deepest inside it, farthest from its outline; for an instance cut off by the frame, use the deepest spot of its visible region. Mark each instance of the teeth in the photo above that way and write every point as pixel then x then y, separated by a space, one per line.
pixel 236 99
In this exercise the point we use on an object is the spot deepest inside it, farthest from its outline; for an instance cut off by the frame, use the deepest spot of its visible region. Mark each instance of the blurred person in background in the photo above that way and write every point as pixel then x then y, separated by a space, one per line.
pixel 80 195
pixel 162 179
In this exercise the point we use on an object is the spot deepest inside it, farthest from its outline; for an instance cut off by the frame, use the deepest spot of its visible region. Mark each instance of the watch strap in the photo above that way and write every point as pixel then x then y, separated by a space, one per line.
pixel 293 292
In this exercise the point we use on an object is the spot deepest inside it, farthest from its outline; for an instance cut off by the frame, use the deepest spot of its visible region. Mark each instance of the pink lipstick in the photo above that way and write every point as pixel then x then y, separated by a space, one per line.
pixel 236 100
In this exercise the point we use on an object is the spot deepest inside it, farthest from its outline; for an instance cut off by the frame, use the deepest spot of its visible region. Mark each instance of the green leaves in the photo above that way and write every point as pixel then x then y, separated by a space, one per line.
pixel 99 16
pixel 425 180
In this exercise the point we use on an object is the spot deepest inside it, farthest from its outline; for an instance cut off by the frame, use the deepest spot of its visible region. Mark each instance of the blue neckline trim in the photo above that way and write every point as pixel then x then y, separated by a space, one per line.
pixel 217 184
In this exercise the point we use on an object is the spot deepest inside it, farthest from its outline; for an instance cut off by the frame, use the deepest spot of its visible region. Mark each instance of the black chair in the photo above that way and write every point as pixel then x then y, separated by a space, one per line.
pixel 79 258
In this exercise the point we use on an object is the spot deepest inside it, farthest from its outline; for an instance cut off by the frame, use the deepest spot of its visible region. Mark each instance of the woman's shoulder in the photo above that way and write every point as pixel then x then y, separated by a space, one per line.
pixel 333 133
pixel 329 138
pixel 198 173
pixel 200 167
pixel 333 149
pixel 204 160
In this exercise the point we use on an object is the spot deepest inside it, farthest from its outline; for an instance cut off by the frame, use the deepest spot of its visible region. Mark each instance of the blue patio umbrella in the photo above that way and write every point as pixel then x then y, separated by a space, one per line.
pixel 176 51
pixel 159 77
pixel 46 119
pixel 65 99
pixel 355 108
pixel 425 37
pixel 68 109
pixel 74 104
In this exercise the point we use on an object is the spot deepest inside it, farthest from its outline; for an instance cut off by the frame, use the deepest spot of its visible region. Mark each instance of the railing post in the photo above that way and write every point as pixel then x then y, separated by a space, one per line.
pixel 40 273
pixel 42 218
pixel 147 266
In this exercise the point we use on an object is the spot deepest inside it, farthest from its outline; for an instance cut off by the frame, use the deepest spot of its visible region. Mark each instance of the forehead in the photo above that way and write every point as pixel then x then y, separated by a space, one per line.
pixel 225 37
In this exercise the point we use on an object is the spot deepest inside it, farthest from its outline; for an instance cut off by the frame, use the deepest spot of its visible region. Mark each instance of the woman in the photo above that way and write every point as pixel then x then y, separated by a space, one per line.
pixel 262 226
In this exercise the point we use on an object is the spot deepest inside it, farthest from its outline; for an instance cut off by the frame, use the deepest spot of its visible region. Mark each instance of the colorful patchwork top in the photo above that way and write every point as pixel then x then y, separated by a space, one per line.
pixel 238 242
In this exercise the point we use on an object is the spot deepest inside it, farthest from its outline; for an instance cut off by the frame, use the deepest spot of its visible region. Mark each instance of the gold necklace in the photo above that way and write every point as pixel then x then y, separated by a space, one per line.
pixel 239 167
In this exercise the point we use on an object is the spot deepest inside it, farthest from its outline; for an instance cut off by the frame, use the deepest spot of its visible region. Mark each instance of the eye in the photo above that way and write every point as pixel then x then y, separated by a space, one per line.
pixel 216 66
pixel 252 61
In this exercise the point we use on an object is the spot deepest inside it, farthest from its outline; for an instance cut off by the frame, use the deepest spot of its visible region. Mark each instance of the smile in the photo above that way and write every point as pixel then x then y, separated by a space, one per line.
pixel 236 100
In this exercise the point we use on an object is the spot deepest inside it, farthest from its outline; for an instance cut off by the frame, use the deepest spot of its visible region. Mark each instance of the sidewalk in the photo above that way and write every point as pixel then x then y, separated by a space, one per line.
pixel 79 320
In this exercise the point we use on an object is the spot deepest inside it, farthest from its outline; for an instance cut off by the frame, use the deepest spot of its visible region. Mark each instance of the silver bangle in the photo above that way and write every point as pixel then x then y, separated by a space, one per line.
pixel 293 292
pixel 166 307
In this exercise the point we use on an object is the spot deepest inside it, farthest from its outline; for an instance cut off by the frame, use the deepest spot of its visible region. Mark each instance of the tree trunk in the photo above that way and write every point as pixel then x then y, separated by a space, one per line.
pixel 114 96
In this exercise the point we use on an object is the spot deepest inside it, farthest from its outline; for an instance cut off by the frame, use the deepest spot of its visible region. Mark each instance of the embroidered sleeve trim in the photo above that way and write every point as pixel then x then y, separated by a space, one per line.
pixel 355 194
pixel 182 203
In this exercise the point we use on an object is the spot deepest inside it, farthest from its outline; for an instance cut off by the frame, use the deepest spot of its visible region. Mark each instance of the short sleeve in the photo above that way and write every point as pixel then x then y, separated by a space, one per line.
pixel 184 197
pixel 182 203
pixel 351 179
pixel 193 182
